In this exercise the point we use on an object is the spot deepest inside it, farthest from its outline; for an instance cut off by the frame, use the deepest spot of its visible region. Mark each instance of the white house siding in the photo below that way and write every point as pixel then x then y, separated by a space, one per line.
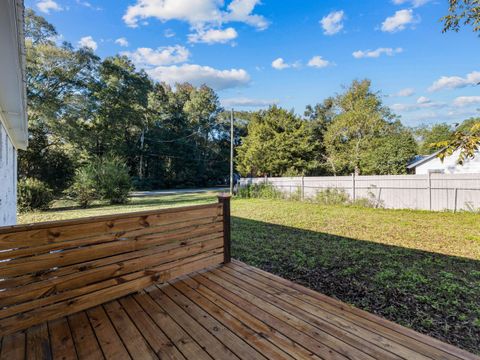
pixel 8 180
pixel 450 166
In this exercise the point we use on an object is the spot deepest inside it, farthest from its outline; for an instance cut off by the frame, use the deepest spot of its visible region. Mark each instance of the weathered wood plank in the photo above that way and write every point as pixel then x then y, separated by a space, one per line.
pixel 235 343
pixel 274 317
pixel 159 342
pixel 13 347
pixel 33 281
pixel 38 343
pixel 347 332
pixel 79 255
pixel 61 340
pixel 214 309
pixel 84 338
pixel 60 230
pixel 55 290
pixel 111 345
pixel 135 343
pixel 92 239
pixel 239 311
pixel 182 340
pixel 211 344
pixel 156 274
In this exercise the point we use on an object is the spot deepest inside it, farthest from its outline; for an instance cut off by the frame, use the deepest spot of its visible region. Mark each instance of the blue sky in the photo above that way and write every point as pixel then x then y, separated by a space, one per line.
pixel 289 52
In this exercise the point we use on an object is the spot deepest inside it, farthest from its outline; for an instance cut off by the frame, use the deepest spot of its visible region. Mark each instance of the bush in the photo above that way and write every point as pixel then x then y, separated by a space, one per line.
pixel 113 180
pixel 265 191
pixel 33 194
pixel 84 187
pixel 332 197
pixel 368 202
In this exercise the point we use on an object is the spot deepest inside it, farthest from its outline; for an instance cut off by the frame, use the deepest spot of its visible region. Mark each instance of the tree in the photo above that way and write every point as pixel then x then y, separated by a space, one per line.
pixel 320 117
pixel 389 153
pixel 466 139
pixel 430 136
pixel 55 75
pixel 361 118
pixel 278 143
pixel 462 12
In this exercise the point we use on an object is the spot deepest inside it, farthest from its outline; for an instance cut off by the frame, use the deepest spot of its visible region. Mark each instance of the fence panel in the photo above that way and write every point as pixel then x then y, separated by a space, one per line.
pixel 435 192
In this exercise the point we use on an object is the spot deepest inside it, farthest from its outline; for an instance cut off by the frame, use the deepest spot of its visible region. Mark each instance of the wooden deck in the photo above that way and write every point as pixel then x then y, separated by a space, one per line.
pixel 227 312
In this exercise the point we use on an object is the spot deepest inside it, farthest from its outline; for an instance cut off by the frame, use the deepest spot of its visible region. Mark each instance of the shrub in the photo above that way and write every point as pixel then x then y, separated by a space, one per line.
pixel 33 194
pixel 113 180
pixel 332 197
pixel 265 191
pixel 368 202
pixel 84 187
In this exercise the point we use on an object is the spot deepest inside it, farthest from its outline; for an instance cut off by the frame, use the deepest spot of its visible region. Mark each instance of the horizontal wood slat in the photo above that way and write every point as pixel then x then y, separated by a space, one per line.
pixel 55 269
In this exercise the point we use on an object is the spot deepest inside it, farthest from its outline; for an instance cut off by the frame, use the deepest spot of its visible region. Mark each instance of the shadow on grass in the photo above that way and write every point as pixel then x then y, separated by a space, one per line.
pixel 435 294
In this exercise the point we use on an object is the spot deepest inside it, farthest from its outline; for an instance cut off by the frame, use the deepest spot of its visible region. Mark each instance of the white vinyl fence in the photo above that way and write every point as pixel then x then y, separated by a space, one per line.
pixel 434 191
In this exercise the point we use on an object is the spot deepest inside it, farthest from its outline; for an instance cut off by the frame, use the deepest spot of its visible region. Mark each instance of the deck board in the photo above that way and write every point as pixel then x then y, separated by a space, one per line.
pixel 233 311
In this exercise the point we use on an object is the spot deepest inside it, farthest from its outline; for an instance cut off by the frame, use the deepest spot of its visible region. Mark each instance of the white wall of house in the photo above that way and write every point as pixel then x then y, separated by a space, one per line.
pixel 13 118
pixel 8 179
pixel 450 165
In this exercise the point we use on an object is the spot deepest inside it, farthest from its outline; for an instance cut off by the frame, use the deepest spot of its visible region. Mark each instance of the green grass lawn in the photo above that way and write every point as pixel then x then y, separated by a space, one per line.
pixel 420 269
pixel 64 209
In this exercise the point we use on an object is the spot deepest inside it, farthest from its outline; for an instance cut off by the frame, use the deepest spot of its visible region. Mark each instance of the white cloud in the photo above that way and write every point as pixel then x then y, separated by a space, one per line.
pixel 212 36
pixel 399 21
pixel 333 22
pixel 359 54
pixel 87 41
pixel 198 75
pixel 46 6
pixel 198 13
pixel 423 100
pixel 122 42
pixel 247 102
pixel 241 11
pixel 318 62
pixel 88 5
pixel 147 57
pixel 463 101
pixel 280 64
pixel 169 33
pixel 421 104
pixel 455 82
pixel 404 92
pixel 414 3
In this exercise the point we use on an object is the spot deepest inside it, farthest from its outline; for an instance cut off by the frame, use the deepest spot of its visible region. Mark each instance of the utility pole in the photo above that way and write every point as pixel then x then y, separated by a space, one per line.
pixel 231 152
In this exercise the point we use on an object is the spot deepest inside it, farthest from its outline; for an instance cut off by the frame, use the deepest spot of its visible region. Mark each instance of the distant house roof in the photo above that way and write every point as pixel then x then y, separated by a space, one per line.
pixel 13 98
pixel 422 159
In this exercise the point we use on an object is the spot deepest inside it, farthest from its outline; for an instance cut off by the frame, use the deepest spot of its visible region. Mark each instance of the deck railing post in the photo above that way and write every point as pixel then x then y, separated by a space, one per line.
pixel 224 199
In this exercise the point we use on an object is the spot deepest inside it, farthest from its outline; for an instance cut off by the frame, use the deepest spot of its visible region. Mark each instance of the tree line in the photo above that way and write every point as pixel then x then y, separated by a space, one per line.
pixel 83 109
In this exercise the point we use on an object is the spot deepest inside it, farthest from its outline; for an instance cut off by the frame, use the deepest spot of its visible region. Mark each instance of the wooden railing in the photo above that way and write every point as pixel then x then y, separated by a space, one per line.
pixel 54 269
